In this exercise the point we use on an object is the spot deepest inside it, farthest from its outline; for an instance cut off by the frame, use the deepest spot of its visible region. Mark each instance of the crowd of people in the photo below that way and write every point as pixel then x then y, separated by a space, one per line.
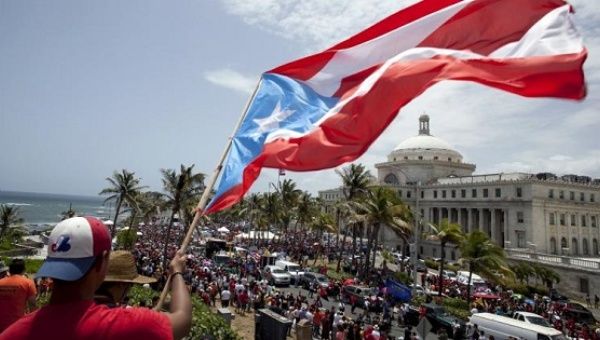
pixel 237 282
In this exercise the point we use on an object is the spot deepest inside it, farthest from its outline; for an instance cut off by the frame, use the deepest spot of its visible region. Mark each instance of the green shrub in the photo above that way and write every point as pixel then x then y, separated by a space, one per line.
pixel 459 313
pixel 431 264
pixel 403 277
pixel 206 324
pixel 126 238
pixel 456 303
pixel 31 265
pixel 138 294
pixel 453 267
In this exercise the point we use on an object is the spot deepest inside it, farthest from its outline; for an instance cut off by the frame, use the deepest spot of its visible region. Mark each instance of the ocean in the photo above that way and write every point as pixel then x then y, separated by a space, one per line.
pixel 40 211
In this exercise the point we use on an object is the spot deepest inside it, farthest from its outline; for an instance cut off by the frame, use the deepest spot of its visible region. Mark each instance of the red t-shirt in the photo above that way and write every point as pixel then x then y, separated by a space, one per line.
pixel 89 321
pixel 15 290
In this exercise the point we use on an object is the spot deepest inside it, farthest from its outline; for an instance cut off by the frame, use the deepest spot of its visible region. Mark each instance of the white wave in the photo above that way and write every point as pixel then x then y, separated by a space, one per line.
pixel 17 204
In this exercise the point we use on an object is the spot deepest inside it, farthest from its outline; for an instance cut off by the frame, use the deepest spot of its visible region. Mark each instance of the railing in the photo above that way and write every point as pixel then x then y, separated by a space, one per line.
pixel 553 259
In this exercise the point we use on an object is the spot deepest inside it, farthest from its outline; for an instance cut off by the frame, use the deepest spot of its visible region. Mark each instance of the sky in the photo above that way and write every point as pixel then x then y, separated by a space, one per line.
pixel 90 87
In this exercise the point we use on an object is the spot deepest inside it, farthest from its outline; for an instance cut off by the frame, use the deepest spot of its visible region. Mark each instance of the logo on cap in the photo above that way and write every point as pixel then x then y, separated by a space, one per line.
pixel 61 244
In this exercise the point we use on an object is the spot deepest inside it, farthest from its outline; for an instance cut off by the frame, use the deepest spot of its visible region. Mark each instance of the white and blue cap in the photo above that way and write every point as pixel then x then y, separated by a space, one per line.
pixel 73 246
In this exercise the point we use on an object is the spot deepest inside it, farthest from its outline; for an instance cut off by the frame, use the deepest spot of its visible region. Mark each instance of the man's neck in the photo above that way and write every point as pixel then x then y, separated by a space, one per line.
pixel 70 292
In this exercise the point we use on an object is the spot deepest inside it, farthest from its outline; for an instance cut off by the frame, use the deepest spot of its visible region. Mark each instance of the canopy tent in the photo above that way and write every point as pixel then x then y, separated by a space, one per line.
pixel 223 230
pixel 263 235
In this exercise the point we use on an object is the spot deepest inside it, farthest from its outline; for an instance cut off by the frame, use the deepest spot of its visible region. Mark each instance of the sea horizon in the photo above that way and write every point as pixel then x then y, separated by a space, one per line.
pixel 43 209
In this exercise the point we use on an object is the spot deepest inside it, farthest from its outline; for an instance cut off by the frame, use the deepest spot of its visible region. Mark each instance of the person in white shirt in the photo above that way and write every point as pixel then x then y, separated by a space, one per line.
pixel 225 297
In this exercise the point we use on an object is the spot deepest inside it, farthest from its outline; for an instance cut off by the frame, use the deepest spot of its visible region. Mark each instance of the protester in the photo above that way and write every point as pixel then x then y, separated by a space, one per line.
pixel 17 294
pixel 121 275
pixel 78 257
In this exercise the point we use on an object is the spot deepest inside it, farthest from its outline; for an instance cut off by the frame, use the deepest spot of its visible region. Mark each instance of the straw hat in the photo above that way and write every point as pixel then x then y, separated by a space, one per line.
pixel 121 268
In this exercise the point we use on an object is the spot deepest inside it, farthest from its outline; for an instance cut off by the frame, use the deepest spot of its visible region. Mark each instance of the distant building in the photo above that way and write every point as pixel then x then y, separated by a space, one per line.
pixel 539 212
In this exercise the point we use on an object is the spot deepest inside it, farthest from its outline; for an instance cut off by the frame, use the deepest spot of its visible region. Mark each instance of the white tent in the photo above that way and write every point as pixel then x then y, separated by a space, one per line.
pixel 264 235
pixel 108 222
pixel 223 230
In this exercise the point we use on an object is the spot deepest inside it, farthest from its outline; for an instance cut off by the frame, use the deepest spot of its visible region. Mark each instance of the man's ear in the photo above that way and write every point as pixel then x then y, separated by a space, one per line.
pixel 102 261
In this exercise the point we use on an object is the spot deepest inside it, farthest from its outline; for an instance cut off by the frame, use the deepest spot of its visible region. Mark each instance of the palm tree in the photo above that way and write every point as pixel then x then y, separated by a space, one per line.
pixel 545 274
pixel 10 224
pixel 272 208
pixel 445 233
pixel 484 257
pixel 355 182
pixel 124 188
pixel 180 188
pixel 321 223
pixel 382 207
pixel 69 213
pixel 288 195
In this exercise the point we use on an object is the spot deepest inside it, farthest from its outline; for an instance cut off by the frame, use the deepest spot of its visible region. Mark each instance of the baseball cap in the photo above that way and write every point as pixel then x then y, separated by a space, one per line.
pixel 73 246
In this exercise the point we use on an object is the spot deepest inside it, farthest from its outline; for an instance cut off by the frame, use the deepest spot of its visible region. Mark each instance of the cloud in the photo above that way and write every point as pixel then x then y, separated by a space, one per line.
pixel 231 79
pixel 498 131
pixel 314 23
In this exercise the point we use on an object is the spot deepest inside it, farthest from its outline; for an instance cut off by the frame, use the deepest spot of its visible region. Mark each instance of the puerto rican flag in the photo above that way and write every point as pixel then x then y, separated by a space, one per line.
pixel 326 109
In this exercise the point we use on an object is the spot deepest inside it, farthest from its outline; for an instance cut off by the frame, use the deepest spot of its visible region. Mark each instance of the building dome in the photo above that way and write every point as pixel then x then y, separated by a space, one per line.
pixel 425 142
pixel 424 146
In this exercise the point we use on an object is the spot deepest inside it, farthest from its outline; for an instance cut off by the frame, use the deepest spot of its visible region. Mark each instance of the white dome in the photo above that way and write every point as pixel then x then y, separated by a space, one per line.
pixel 424 142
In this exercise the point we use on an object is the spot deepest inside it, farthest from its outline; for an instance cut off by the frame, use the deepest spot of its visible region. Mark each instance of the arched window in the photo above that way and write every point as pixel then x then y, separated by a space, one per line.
pixel 584 247
pixel 391 179
pixel 595 247
pixel 563 244
pixel 574 247
pixel 553 246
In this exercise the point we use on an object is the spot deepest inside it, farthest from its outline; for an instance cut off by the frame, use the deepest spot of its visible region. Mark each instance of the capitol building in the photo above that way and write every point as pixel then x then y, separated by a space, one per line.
pixel 535 213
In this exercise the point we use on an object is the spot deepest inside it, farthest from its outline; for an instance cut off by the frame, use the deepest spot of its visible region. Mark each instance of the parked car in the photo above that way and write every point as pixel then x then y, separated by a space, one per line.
pixel 360 292
pixel 276 276
pixel 531 318
pixel 309 278
pixel 450 275
pixel 439 318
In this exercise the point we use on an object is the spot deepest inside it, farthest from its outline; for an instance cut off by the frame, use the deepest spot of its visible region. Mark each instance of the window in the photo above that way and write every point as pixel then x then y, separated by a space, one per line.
pixel 584 285
pixel 583 221
pixel 563 243
pixel 562 219
pixel 520 238
pixel 420 158
pixel 463 193
pixel 400 193
pixel 551 193
pixel 408 194
pixel 553 245
pixel 434 252
pixel 434 193
pixel 421 250
pixel 498 192
pixel 519 192
pixel 449 159
pixel 474 193
pixel 582 196
pixel 405 157
pixel 453 193
pixel 435 158
pixel 561 195
pixel 422 194
pixel 520 218
pixel 584 247
pixel 573 220
pixel 453 256
pixel 593 219
pixel 592 198
pixel 443 193
pixel 485 192
pixel 595 247
pixel 552 222
pixel 572 195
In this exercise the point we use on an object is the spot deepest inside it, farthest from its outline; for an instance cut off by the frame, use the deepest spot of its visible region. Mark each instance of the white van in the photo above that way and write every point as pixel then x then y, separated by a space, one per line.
pixel 502 327
pixel 292 268
pixel 462 276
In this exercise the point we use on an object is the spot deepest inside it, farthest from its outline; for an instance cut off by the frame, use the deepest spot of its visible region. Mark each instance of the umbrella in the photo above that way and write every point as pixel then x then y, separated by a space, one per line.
pixel 483 295
pixel 223 230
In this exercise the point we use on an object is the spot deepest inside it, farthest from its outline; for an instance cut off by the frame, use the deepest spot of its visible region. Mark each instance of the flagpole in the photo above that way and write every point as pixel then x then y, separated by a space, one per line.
pixel 206 194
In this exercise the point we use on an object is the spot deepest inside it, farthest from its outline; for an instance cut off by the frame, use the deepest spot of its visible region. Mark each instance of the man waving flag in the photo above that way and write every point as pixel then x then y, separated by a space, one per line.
pixel 326 109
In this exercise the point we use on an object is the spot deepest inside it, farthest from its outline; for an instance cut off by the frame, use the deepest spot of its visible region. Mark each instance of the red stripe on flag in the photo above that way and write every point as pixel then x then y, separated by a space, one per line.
pixel 305 68
pixel 457 33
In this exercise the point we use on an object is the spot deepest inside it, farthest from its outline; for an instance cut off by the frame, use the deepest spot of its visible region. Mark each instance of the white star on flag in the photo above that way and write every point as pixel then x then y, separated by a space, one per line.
pixel 272 121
